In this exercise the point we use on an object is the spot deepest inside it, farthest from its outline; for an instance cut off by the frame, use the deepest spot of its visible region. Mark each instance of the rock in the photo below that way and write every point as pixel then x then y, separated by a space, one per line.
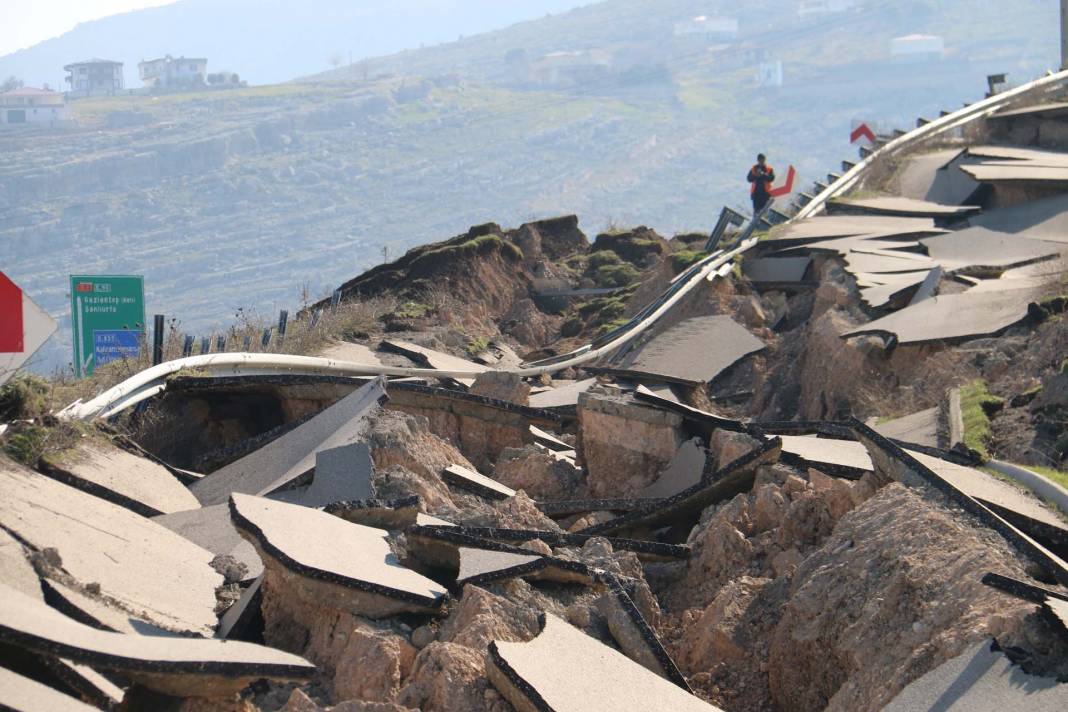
pixel 537 546
pixel 423 636
pixel 624 444
pixel 769 508
pixel 847 638
pixel 591 519
pixel 539 473
pixel 784 563
pixel 727 446
pixel 722 553
pixel 502 385
pixel 529 325
pixel 481 617
pixel 717 636
pixel 518 512
pixel 793 486
pixel 808 521
pixel 448 677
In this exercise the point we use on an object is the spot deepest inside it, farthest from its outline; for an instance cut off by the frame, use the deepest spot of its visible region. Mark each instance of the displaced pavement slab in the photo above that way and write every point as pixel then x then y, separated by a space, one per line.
pixel 953 316
pixel 982 679
pixel 293 454
pixel 353 353
pixel 324 548
pixel 438 360
pixel 735 478
pixel 823 227
pixel 892 462
pixel 476 483
pixel 937 177
pixel 979 485
pixel 906 207
pixel 102 469
pixel 183 667
pixel 565 670
pixel 565 396
pixel 887 261
pixel 776 270
pixel 888 294
pixel 341 474
pixel 1012 154
pixel 211 528
pixel 919 428
pixel 89 684
pixel 1043 219
pixel 847 458
pixel 684 470
pixel 141 564
pixel 1016 172
pixel 16 570
pixel 21 694
pixel 479 566
pixel 1054 605
pixel 633 633
pixel 981 247
pixel 94 612
pixel 693 352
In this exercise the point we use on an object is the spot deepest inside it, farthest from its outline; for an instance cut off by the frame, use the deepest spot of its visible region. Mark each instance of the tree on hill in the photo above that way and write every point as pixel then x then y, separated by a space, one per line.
pixel 10 84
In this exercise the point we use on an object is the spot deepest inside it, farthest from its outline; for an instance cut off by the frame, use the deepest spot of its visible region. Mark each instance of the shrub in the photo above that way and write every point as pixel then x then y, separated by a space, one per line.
pixel 619 275
pixel 682 260
pixel 24 397
pixel 978 405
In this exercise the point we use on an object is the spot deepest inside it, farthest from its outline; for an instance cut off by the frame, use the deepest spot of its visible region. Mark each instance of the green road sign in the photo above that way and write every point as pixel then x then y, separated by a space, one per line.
pixel 108 318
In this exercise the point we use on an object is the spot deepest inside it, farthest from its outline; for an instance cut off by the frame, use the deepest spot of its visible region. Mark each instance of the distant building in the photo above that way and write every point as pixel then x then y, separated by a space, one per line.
pixel 917 49
pixel 32 106
pixel 810 8
pixel 571 68
pixel 167 72
pixel 769 74
pixel 710 28
pixel 95 77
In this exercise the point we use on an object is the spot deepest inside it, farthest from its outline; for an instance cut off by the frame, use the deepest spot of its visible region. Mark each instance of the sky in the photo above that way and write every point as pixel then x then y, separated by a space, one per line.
pixel 23 24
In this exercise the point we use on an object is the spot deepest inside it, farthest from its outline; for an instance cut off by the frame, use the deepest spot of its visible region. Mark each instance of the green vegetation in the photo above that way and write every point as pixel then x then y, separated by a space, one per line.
pixel 478 245
pixel 1049 473
pixel 478 345
pixel 681 260
pixel 24 397
pixel 412 310
pixel 621 275
pixel 978 405
pixel 605 328
pixel 601 259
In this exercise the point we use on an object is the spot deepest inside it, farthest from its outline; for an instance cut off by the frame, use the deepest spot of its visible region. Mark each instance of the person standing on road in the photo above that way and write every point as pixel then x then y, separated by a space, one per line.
pixel 761 176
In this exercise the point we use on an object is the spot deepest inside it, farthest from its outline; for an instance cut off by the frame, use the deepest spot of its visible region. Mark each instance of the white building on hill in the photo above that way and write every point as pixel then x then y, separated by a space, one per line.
pixel 168 71
pixel 32 106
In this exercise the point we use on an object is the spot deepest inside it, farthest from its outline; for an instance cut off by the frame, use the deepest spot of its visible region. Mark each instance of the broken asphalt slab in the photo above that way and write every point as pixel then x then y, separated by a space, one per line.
pixel 692 352
pixel 211 528
pixel 102 469
pixel 734 478
pixel 1054 605
pixel 354 563
pixel 140 564
pixel 292 455
pixel 21 694
pixel 183 667
pixel 341 473
pixel 476 483
pixel 899 207
pixel 843 458
pixel 982 679
pixel 565 670
pixel 892 462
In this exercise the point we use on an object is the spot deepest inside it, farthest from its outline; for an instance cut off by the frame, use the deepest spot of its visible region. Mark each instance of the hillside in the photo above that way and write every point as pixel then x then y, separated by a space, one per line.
pixel 269 41
pixel 244 199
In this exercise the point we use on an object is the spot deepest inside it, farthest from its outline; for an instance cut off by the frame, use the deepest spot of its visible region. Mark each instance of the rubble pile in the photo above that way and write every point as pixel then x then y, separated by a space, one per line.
pixel 693 520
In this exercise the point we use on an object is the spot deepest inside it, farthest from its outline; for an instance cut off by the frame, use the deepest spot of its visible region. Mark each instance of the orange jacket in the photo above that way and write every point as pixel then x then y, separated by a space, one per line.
pixel 761 184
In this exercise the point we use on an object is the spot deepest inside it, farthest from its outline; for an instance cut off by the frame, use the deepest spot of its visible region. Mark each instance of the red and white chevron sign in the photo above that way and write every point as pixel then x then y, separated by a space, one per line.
pixel 862 133
pixel 787 187
pixel 24 328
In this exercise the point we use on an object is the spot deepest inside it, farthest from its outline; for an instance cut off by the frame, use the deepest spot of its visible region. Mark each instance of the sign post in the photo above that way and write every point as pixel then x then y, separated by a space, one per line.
pixel 108 319
pixel 24 328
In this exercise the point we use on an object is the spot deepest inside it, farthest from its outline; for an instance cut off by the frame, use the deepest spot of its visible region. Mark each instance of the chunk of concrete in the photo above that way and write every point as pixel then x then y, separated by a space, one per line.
pixel 352 563
pixel 565 396
pixel 21 694
pixel 982 679
pixel 139 563
pixel 906 207
pixel 94 612
pixel 565 670
pixel 342 474
pixel 182 667
pixel 480 566
pixel 429 358
pixel 102 469
pixel 476 483
pixel 502 385
pixel 211 528
pixel 291 456
pixel 918 428
pixel 981 247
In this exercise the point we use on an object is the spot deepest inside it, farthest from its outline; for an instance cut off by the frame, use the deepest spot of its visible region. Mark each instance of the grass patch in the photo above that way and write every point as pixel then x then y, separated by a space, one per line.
pixel 412 310
pixel 621 275
pixel 24 397
pixel 475 246
pixel 680 261
pixel 477 346
pixel 1049 473
pixel 978 405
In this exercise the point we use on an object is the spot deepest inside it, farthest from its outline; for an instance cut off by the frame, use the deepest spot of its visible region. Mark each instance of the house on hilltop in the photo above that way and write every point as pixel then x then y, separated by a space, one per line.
pixel 28 105
pixel 167 72
pixel 95 77
pixel 571 68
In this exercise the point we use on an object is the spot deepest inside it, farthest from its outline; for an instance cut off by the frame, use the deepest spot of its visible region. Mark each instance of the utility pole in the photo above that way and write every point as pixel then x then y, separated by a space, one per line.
pixel 1064 34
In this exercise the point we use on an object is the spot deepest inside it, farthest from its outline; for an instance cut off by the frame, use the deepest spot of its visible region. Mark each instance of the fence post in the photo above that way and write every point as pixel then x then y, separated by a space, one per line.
pixel 159 323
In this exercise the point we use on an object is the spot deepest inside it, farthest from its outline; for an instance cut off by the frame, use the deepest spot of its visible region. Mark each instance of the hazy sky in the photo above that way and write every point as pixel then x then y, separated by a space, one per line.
pixel 23 23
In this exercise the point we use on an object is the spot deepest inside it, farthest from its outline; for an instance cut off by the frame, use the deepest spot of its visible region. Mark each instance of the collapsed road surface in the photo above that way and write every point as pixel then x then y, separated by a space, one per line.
pixel 752 479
